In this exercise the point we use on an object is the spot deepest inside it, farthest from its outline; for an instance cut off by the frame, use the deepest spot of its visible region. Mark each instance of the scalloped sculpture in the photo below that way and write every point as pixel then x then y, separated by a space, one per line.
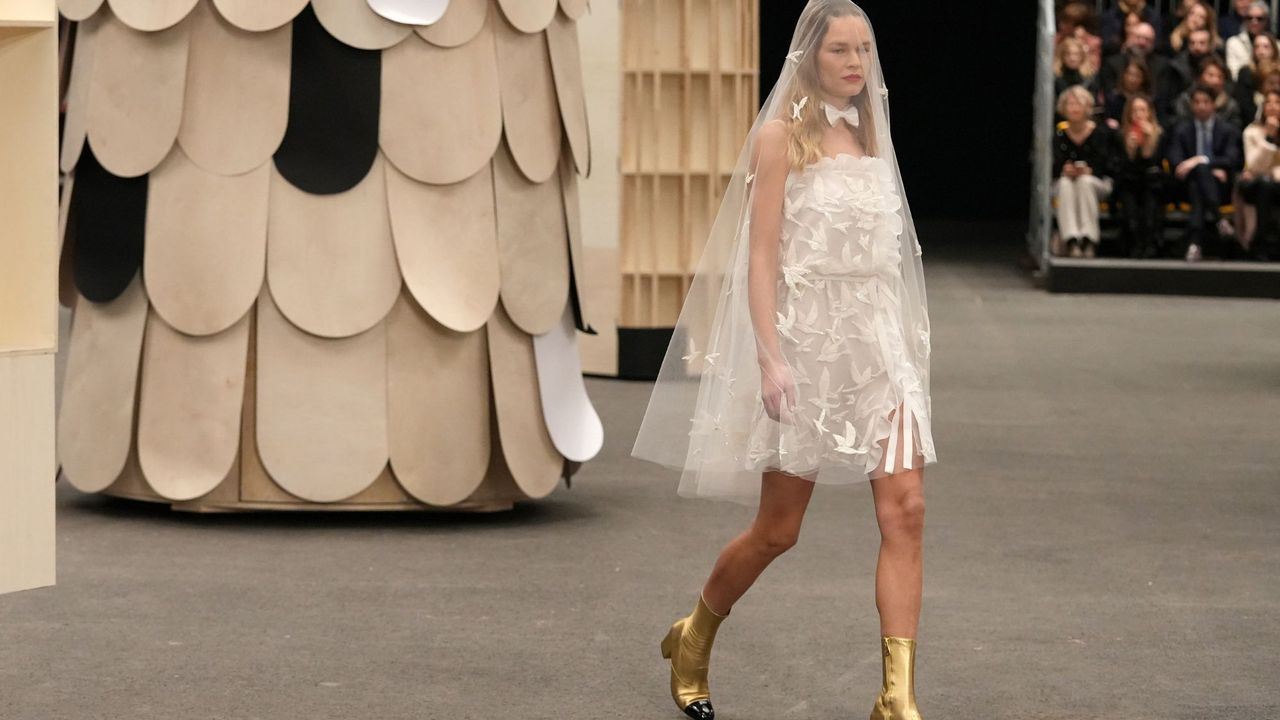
pixel 321 257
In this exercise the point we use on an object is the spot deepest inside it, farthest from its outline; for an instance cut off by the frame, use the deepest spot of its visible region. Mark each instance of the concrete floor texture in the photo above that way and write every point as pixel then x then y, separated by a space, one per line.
pixel 1102 541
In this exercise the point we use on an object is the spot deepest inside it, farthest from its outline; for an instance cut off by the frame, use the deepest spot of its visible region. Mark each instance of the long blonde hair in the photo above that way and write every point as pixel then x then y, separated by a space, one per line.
pixel 1087 70
pixel 804 145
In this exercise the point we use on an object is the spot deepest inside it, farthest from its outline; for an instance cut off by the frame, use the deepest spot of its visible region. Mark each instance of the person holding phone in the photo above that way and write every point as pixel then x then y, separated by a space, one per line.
pixel 1083 153
pixel 1139 179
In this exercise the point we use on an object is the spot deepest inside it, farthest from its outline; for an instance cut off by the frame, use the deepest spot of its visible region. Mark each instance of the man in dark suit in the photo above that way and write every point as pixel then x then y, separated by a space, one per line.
pixel 1204 152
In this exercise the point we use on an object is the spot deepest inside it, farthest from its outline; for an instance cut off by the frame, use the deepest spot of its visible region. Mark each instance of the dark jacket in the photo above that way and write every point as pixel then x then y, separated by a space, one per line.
pixel 1098 150
pixel 1228 154
pixel 1071 77
pixel 1113 68
pixel 1112 22
pixel 1178 75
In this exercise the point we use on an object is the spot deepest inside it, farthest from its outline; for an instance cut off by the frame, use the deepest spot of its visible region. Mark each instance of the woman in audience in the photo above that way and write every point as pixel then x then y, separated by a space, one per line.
pixel 1139 180
pixel 1198 17
pixel 1258 189
pixel 1077 19
pixel 1134 81
pixel 1083 155
pixel 1248 91
pixel 1072 66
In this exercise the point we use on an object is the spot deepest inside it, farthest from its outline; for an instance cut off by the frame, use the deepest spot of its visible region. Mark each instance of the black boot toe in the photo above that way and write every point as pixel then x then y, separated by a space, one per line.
pixel 700 710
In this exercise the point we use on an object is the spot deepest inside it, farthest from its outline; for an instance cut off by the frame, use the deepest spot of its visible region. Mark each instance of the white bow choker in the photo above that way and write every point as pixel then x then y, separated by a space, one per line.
pixel 850 114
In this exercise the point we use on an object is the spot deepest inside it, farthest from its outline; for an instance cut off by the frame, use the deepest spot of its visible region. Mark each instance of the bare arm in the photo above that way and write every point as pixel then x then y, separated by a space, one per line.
pixel 770 168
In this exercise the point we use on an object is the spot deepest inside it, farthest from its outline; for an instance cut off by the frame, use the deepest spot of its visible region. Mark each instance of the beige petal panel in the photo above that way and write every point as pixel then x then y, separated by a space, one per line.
pixel 321 407
pixel 189 411
pixel 259 15
pixel 447 243
pixel 331 262
pixel 566 66
pixel 95 422
pixel 441 114
pixel 206 244
pixel 577 253
pixel 356 24
pixel 438 397
pixel 237 104
pixel 574 8
pixel 529 16
pixel 151 15
pixel 75 121
pixel 460 23
pixel 533 248
pixel 530 111
pixel 526 445
pixel 135 98
pixel 78 10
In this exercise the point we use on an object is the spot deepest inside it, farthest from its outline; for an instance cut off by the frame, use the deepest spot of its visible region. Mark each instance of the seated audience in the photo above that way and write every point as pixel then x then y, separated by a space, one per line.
pixel 1198 17
pixel 1139 44
pixel 1257 196
pixel 1115 23
pixel 1203 152
pixel 1240 46
pixel 1071 66
pixel 1248 84
pixel 1136 80
pixel 1233 22
pixel 1082 169
pixel 1181 71
pixel 1077 19
pixel 1213 74
pixel 1139 180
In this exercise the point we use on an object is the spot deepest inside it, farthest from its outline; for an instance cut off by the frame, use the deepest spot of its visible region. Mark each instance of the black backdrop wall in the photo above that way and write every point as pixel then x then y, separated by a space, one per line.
pixel 960 74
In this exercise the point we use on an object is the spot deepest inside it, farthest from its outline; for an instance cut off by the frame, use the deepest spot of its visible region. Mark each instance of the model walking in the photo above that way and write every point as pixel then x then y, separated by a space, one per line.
pixel 802 351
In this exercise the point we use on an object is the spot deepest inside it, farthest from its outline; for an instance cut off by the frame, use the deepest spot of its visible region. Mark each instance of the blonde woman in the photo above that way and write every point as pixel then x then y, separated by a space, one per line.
pixel 1198 17
pixel 1072 65
pixel 802 352
pixel 1139 179
pixel 1083 155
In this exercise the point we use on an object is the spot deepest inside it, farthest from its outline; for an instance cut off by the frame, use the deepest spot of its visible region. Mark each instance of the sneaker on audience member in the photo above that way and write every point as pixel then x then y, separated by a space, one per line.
pixel 1193 253
pixel 1073 247
pixel 1090 247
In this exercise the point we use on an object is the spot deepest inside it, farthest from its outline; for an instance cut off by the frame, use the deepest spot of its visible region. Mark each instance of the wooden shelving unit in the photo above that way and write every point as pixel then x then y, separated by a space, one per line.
pixel 690 90
pixel 28 291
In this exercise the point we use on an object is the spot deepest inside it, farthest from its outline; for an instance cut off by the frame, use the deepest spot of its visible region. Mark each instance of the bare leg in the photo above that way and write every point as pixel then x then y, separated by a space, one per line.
pixel 783 500
pixel 899 500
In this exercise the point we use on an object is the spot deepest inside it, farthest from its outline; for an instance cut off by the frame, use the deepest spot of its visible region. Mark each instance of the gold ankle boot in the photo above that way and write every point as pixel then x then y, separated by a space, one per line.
pixel 688 646
pixel 897 700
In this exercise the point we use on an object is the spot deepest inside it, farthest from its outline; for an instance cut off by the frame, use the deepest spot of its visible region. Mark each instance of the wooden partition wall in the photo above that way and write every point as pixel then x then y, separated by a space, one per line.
pixel 690 92
pixel 28 299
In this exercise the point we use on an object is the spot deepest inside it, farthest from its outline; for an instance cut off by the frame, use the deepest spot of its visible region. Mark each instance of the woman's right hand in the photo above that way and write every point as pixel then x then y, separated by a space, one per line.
pixel 777 390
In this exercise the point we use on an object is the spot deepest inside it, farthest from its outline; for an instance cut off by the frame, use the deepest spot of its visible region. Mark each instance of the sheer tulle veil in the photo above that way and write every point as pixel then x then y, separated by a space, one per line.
pixel 709 385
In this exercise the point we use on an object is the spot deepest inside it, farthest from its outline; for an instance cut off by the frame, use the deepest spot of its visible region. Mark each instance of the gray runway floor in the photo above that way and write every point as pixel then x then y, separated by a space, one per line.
pixel 1102 541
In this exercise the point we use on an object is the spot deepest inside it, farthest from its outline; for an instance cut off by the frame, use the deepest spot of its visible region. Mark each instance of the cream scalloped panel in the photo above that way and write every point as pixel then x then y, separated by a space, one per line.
pixel 296 293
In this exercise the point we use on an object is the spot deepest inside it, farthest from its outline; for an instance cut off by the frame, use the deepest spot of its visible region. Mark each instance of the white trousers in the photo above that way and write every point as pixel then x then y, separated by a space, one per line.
pixel 1078 204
